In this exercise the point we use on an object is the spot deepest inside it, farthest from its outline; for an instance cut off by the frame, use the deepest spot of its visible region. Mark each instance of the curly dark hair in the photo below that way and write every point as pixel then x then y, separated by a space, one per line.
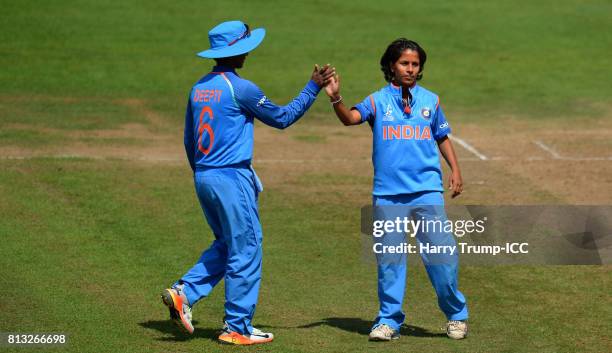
pixel 393 53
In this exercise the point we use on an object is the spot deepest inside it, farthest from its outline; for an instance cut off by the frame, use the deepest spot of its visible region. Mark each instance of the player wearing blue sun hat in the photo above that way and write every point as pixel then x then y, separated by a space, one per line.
pixel 218 141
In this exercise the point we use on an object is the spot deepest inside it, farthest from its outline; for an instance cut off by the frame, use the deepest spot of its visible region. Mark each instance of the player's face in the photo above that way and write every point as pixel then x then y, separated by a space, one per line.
pixel 237 62
pixel 406 68
pixel 240 60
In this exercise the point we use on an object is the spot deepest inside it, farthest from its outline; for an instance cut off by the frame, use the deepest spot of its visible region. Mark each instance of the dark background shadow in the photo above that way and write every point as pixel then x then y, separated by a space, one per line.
pixel 362 327
pixel 174 334
pixel 349 324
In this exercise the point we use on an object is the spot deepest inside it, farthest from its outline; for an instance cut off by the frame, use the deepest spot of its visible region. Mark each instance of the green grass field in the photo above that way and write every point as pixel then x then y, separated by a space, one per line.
pixel 98 211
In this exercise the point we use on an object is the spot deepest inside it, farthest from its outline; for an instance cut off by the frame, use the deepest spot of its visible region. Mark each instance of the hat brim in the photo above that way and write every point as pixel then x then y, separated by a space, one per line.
pixel 240 47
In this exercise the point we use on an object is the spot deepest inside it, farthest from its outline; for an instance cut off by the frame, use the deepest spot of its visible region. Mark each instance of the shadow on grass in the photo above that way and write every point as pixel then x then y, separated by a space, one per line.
pixel 350 324
pixel 362 327
pixel 175 334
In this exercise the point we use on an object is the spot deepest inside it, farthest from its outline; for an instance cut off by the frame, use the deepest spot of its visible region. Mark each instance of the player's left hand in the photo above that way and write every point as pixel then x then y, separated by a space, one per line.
pixel 333 88
pixel 455 184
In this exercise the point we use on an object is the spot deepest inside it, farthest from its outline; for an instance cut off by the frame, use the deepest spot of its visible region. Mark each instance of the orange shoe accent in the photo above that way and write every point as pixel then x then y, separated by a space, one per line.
pixel 238 339
pixel 177 303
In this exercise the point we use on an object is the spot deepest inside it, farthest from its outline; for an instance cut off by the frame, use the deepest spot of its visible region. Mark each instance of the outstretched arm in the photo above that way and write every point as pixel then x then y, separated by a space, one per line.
pixel 258 105
pixel 455 182
pixel 347 116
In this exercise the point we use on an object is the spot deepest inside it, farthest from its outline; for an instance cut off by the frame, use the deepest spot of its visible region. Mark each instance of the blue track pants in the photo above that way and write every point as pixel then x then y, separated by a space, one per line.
pixel 441 269
pixel 228 197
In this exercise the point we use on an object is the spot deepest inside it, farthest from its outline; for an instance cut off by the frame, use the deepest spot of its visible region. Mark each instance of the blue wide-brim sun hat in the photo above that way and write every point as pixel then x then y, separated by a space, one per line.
pixel 232 38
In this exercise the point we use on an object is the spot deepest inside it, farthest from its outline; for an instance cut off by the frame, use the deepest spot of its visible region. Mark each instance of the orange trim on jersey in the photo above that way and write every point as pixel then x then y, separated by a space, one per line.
pixel 438 103
pixel 373 105
pixel 219 73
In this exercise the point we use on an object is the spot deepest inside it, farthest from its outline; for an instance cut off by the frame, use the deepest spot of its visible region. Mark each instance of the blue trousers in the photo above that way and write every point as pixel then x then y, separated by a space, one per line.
pixel 228 197
pixel 442 269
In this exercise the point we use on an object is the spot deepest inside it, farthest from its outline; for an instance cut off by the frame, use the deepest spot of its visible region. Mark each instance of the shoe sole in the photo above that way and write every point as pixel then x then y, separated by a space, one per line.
pixel 241 340
pixel 173 302
pixel 378 339
pixel 383 339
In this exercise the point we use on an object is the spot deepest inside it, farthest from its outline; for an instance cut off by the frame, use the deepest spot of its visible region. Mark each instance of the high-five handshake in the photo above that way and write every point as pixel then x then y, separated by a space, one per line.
pixel 405 119
pixel 322 76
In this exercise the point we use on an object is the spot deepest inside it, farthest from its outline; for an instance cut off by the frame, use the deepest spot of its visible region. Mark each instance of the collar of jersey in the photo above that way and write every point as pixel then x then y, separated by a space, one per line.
pixel 220 68
pixel 397 90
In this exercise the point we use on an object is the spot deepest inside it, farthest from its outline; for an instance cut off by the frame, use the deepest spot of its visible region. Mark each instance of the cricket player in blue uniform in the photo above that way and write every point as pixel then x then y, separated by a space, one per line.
pixel 218 138
pixel 408 128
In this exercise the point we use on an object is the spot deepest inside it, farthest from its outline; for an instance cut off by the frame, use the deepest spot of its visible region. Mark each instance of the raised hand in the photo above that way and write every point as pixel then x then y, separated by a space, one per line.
pixel 333 88
pixel 322 76
pixel 347 116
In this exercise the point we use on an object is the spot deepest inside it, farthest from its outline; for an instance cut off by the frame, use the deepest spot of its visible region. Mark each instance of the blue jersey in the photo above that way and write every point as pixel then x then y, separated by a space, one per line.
pixel 405 151
pixel 220 114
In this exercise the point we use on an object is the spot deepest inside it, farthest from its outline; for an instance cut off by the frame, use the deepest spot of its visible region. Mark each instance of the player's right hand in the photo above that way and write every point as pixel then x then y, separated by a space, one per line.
pixel 322 76
pixel 455 184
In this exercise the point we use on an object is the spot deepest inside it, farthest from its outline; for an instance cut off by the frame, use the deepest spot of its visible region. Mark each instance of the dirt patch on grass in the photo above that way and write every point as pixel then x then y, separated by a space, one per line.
pixel 131 140
pixel 328 162
pixel 141 107
pixel 517 171
pixel 125 131
pixel 572 182
pixel 554 163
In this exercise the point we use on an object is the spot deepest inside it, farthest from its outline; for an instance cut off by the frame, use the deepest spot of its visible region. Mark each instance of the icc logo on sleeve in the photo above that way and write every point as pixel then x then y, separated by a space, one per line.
pixel 388 113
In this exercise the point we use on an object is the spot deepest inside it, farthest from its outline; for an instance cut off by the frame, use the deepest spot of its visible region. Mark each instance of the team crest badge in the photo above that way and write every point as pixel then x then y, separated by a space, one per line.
pixel 426 113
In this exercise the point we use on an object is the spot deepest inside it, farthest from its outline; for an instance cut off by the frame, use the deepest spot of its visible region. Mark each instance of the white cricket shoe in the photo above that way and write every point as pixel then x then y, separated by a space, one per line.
pixel 456 329
pixel 383 332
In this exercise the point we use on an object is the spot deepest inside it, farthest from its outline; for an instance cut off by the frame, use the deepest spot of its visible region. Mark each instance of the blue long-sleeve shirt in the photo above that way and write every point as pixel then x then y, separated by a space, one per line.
pixel 220 114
